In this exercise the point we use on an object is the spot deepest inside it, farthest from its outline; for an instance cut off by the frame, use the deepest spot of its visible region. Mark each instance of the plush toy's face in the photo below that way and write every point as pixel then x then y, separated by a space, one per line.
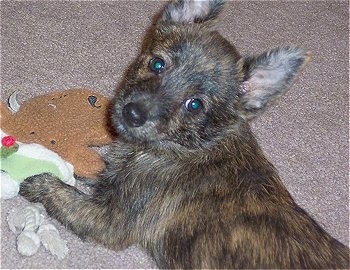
pixel 74 111
pixel 66 122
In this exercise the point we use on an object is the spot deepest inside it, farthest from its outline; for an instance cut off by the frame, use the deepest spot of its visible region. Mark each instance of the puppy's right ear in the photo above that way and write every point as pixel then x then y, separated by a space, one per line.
pixel 192 11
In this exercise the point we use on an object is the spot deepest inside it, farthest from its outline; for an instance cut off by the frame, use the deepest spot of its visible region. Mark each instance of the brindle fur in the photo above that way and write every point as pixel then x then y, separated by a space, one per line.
pixel 194 189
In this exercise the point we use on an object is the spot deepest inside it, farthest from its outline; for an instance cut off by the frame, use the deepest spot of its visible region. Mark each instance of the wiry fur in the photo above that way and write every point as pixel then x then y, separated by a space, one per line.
pixel 193 188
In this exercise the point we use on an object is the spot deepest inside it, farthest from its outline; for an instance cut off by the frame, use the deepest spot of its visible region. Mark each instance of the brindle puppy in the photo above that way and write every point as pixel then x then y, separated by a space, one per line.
pixel 186 180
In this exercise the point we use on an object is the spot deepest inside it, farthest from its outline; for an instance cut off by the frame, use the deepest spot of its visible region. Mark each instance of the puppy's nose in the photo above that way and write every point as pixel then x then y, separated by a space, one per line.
pixel 134 114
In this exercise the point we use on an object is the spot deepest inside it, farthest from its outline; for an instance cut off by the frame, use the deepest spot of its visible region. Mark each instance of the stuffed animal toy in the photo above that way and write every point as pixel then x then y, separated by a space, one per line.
pixel 19 161
pixel 66 122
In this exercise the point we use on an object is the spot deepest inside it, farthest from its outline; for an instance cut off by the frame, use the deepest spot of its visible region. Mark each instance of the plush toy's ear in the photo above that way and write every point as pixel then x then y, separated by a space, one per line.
pixel 192 11
pixel 266 77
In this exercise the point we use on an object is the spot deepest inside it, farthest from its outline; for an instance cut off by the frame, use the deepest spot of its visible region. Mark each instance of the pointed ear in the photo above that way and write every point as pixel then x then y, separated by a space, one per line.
pixel 192 11
pixel 266 77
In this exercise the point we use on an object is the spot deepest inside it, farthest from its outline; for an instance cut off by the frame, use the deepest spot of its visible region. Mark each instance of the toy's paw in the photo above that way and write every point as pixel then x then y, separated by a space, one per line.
pixel 37 187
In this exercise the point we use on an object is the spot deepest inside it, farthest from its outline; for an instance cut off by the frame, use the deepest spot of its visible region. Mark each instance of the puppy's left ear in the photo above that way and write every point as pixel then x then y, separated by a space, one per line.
pixel 192 11
pixel 266 77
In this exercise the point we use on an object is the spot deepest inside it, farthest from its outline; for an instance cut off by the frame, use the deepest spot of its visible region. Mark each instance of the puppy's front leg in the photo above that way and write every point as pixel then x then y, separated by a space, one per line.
pixel 85 215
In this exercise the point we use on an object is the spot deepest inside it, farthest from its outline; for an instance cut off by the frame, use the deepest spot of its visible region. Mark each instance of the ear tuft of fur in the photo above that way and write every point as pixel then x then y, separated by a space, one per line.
pixel 192 11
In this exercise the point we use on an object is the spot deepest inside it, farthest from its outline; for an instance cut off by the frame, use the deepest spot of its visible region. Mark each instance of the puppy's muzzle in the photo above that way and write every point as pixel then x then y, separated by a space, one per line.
pixel 134 114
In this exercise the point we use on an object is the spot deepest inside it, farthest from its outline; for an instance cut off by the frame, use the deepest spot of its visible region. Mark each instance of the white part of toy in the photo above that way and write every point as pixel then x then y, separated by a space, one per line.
pixel 26 221
pixel 37 151
pixel 29 224
pixel 28 243
pixel 9 188
pixel 33 218
pixel 14 106
pixel 16 220
pixel 52 241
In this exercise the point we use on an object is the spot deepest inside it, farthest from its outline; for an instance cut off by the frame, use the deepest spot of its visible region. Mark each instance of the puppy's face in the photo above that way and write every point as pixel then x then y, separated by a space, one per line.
pixel 190 87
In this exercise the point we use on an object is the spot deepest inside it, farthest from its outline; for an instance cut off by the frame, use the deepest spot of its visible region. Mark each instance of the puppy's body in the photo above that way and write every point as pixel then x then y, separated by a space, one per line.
pixel 187 180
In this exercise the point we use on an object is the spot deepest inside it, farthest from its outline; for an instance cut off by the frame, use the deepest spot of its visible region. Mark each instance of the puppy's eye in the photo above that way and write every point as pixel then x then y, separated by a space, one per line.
pixel 193 105
pixel 157 65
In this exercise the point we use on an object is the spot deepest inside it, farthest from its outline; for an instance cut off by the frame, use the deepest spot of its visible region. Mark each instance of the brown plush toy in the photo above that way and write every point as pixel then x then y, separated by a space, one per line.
pixel 66 122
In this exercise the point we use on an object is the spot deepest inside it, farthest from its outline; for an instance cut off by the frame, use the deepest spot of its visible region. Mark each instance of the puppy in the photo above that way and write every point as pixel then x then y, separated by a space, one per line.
pixel 186 179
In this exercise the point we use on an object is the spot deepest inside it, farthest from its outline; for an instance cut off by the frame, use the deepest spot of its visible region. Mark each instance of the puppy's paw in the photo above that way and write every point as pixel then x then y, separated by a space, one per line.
pixel 37 187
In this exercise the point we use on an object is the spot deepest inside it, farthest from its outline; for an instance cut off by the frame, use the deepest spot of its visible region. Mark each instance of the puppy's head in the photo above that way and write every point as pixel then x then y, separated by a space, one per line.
pixel 190 87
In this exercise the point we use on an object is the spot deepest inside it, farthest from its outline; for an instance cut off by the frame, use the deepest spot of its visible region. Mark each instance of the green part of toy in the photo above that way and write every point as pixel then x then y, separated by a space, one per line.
pixel 20 167
pixel 8 151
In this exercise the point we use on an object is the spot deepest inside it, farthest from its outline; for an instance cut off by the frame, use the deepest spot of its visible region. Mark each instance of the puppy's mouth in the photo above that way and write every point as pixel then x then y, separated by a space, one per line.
pixel 144 133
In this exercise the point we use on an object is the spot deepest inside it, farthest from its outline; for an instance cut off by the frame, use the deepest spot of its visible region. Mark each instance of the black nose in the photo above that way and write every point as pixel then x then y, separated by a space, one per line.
pixel 134 114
